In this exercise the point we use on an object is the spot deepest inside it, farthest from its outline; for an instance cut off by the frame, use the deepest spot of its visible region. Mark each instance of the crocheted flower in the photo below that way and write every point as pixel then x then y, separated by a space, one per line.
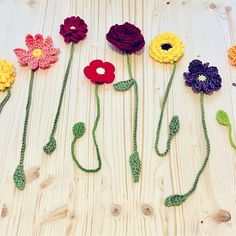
pixel 7 74
pixel 74 29
pixel 232 55
pixel 126 37
pixel 100 72
pixel 202 77
pixel 166 48
pixel 40 53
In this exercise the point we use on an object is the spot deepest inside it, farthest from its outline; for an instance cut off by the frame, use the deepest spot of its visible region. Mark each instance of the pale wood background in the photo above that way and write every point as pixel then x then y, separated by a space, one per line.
pixel 61 200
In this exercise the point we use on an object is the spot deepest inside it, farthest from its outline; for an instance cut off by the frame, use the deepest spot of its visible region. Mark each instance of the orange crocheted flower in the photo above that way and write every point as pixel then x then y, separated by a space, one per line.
pixel 232 55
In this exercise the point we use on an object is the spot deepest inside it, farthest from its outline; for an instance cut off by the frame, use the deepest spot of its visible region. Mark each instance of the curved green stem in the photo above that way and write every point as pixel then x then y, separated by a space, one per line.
pixel 177 199
pixel 79 130
pixel 51 145
pixel 19 174
pixel 4 101
pixel 174 124
pixel 230 136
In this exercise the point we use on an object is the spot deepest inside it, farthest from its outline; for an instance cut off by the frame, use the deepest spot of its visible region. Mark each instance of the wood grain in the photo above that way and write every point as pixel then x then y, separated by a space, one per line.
pixel 61 200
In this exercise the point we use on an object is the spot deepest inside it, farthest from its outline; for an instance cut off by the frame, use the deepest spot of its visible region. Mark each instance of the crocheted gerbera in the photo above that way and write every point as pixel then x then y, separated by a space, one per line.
pixel 40 53
pixel 74 29
pixel 202 78
pixel 7 75
pixel 166 48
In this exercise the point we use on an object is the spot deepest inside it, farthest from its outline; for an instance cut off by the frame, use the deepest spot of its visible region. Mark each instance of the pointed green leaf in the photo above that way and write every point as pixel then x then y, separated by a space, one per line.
pixel 222 117
pixel 79 129
pixel 123 85
pixel 50 146
pixel 174 126
pixel 19 177
pixel 135 165
pixel 175 200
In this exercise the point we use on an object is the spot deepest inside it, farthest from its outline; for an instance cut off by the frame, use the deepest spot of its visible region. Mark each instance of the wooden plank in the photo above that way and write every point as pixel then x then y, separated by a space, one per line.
pixel 61 200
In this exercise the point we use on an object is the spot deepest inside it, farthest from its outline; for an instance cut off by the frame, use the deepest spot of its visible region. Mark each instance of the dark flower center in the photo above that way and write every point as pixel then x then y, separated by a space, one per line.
pixel 166 46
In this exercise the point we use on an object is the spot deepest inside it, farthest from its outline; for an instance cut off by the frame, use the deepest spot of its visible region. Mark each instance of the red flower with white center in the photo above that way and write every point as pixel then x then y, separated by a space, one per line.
pixel 100 72
pixel 40 53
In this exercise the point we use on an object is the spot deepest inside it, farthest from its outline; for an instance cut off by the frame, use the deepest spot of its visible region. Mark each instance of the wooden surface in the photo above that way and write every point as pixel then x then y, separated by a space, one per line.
pixel 61 200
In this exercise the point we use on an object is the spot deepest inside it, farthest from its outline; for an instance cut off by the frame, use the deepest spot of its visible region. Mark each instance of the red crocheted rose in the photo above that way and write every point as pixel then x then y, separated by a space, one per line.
pixel 100 72
pixel 74 29
pixel 126 37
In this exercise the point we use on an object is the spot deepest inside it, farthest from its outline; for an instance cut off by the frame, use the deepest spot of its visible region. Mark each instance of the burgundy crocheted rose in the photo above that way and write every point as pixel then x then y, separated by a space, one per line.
pixel 74 29
pixel 126 37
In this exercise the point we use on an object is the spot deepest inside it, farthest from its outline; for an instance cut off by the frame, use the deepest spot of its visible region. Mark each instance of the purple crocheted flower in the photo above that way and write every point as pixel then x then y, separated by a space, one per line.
pixel 74 29
pixel 202 77
pixel 126 37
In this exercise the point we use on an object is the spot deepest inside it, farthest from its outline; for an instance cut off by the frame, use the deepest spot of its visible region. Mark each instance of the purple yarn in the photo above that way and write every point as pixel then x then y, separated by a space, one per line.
pixel 126 37
pixel 74 29
pixel 202 77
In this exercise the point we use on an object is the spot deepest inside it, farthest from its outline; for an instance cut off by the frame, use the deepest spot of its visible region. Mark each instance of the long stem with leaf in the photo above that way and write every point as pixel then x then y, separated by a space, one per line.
pixel 19 174
pixel 174 123
pixel 135 162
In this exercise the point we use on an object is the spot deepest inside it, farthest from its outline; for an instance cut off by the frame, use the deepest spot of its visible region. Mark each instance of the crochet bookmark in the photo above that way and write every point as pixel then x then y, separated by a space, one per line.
pixel 98 72
pixel 7 78
pixel 128 39
pixel 40 54
pixel 203 79
pixel 166 48
pixel 223 119
pixel 73 30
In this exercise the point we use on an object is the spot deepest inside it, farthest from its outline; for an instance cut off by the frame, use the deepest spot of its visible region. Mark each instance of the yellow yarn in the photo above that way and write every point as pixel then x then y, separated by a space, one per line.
pixel 7 74
pixel 37 52
pixel 166 48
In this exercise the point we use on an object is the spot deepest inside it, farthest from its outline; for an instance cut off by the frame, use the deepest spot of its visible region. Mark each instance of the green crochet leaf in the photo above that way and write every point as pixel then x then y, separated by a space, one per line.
pixel 174 126
pixel 50 146
pixel 19 177
pixel 175 200
pixel 222 117
pixel 124 85
pixel 135 165
pixel 78 129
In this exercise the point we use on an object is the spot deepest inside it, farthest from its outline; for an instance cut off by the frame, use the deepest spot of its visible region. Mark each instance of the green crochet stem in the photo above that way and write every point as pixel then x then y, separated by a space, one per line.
pixel 223 119
pixel 50 147
pixel 4 101
pixel 177 199
pixel 79 130
pixel 174 123
pixel 19 174
pixel 134 160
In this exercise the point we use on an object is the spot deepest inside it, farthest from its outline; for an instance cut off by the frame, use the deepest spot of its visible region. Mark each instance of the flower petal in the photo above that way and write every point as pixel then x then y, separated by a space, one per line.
pixel 38 40
pixel 29 41
pixel 33 63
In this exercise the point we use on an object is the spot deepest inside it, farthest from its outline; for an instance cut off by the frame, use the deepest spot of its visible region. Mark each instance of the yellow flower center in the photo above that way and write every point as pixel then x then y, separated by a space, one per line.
pixel 37 52
pixel 202 78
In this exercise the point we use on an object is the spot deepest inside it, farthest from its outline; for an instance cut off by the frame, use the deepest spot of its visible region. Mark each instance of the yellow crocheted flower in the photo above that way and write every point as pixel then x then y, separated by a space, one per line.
pixel 166 48
pixel 7 74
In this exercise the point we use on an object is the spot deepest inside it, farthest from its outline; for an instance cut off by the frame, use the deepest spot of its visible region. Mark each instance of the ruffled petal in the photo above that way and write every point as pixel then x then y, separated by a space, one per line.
pixel 38 41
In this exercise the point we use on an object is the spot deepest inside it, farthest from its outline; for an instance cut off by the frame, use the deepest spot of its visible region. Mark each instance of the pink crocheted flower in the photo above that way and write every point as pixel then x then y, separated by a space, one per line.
pixel 40 53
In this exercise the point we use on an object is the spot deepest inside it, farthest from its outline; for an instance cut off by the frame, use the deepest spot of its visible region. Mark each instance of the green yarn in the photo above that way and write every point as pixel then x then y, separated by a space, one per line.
pixel 19 174
pixel 174 124
pixel 4 101
pixel 50 147
pixel 223 119
pixel 178 199
pixel 79 130
pixel 135 162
